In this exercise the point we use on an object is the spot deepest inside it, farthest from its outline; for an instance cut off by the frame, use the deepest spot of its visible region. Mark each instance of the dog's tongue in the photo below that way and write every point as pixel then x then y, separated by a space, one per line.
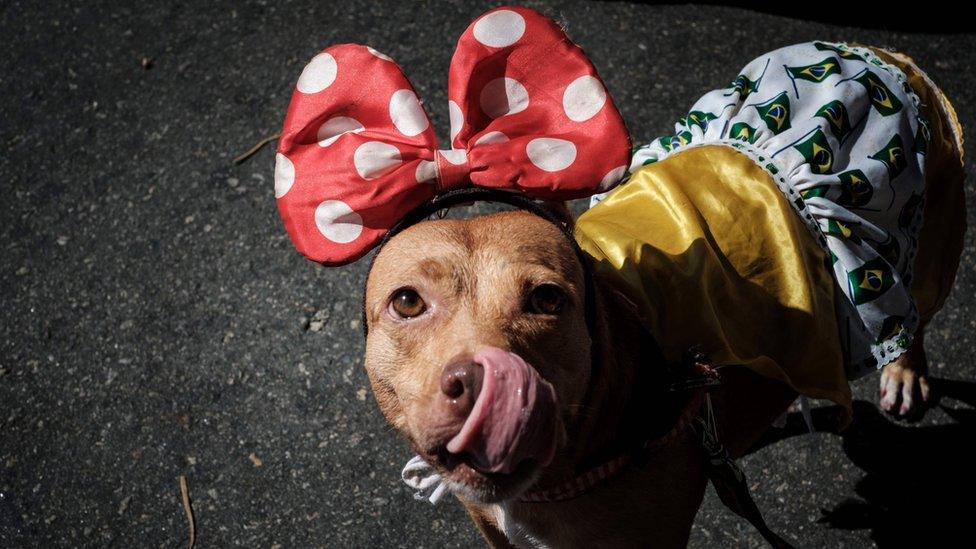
pixel 513 419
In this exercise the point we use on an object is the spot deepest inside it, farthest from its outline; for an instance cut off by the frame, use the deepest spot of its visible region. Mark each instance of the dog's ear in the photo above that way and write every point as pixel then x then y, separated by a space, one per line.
pixel 561 210
pixel 613 301
pixel 623 321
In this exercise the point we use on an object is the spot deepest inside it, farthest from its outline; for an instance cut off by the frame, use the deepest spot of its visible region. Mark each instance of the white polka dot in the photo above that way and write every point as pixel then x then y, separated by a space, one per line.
pixel 334 127
pixel 457 119
pixel 456 157
pixel 375 157
pixel 319 74
pixel 337 222
pixel 284 175
pixel 584 98
pixel 504 96
pixel 550 154
pixel 426 171
pixel 499 29
pixel 613 177
pixel 407 114
pixel 381 55
pixel 491 137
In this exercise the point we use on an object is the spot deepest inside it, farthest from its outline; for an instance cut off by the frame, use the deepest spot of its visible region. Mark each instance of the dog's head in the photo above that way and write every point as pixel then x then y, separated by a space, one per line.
pixel 478 349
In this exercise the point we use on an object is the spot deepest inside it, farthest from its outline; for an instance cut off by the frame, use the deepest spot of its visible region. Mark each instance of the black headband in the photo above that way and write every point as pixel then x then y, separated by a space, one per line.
pixel 472 194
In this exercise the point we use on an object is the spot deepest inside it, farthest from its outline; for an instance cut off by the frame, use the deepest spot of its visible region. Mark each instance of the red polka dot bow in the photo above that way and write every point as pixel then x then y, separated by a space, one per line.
pixel 357 153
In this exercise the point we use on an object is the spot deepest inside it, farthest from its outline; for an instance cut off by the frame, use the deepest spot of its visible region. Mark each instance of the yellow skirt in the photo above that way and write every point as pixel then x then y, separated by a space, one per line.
pixel 727 266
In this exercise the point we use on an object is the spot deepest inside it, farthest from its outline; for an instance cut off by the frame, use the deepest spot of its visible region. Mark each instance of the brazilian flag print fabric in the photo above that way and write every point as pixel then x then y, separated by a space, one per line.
pixel 840 132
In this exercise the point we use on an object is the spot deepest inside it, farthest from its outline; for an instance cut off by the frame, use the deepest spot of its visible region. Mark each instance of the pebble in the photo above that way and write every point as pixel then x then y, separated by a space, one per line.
pixel 318 321
pixel 124 506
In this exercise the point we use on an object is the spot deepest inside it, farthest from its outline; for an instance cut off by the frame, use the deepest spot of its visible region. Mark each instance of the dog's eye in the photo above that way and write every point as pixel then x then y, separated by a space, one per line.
pixel 407 303
pixel 547 299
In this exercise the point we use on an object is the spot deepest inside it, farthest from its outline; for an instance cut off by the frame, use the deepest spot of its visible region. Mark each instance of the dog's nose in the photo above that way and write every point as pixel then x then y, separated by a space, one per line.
pixel 461 383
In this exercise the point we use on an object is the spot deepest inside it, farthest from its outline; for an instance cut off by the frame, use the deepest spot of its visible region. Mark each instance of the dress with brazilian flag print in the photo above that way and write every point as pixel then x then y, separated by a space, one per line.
pixel 839 132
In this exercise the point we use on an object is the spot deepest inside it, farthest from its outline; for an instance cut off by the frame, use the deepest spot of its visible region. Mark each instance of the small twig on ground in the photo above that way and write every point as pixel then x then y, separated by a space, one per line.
pixel 257 147
pixel 185 495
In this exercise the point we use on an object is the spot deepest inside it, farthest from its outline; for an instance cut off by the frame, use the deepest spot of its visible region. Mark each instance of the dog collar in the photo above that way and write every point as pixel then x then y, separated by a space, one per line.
pixel 428 485
pixel 581 484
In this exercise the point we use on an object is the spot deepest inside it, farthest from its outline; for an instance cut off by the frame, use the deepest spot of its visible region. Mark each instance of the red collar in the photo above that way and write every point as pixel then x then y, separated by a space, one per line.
pixel 579 485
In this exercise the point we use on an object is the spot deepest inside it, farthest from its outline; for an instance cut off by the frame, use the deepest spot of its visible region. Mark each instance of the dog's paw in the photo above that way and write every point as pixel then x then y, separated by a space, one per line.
pixel 904 389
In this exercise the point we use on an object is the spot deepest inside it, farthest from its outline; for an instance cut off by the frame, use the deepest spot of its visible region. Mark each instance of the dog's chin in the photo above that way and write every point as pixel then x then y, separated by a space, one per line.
pixel 476 486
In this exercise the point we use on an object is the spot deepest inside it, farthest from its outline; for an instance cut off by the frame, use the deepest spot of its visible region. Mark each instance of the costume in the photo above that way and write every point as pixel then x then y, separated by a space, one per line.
pixel 357 152
pixel 726 234
pixel 810 162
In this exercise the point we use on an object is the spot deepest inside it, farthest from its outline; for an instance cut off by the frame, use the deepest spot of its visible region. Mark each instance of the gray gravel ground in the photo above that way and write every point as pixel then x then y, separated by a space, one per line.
pixel 156 321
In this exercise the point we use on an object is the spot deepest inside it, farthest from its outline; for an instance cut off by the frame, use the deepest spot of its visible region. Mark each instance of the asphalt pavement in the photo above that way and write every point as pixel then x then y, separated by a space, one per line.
pixel 155 321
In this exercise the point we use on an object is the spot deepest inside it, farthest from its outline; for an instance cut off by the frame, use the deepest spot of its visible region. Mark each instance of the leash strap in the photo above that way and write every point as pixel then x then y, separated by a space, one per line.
pixel 730 482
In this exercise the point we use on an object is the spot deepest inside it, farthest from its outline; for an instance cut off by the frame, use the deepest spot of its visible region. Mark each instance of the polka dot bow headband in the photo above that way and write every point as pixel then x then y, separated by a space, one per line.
pixel 357 153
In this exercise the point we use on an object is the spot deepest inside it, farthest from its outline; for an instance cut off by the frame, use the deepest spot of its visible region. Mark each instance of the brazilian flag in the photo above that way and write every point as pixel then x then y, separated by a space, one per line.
pixel 890 328
pixel 889 249
pixel 910 210
pixel 870 281
pixel 682 138
pixel 743 86
pixel 892 156
pixel 856 189
pixel 836 115
pixel 818 72
pixel 743 132
pixel 822 46
pixel 671 142
pixel 921 143
pixel 815 192
pixel 776 113
pixel 841 230
pixel 817 152
pixel 881 97
pixel 698 118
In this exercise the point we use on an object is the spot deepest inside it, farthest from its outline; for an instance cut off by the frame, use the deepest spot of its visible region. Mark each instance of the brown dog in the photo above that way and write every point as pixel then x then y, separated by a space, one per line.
pixel 482 351
pixel 450 303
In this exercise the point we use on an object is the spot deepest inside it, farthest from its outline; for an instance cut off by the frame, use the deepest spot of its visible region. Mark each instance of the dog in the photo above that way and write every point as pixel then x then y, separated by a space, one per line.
pixel 549 375
pixel 451 302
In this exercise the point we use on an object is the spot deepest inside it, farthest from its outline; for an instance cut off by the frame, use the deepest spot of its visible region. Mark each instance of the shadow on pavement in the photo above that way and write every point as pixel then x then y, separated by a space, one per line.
pixel 919 481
